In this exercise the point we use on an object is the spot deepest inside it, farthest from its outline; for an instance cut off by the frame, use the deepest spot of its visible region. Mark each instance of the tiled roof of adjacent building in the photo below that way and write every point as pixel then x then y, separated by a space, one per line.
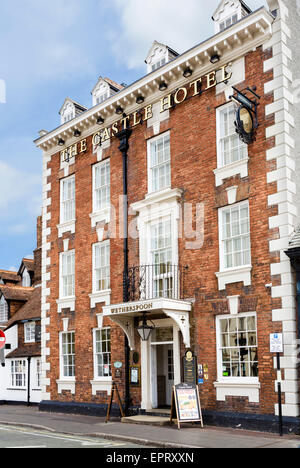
pixel 10 276
pixel 16 293
pixel 29 311
pixel 30 350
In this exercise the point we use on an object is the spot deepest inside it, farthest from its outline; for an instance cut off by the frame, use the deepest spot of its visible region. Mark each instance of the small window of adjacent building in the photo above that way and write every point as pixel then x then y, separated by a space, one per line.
pixel 26 280
pixel 67 355
pixel 101 186
pixel 67 199
pixel 235 236
pixel 18 373
pixel 29 332
pixel 101 266
pixel 230 148
pixel 67 274
pixel 159 163
pixel 3 310
pixel 237 347
pixel 102 349
pixel 38 373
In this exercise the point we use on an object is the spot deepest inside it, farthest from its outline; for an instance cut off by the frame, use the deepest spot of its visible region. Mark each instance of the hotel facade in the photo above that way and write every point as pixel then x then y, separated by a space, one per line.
pixel 168 209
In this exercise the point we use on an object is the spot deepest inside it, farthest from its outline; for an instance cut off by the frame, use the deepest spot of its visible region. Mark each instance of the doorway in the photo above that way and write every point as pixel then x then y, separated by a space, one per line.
pixel 162 367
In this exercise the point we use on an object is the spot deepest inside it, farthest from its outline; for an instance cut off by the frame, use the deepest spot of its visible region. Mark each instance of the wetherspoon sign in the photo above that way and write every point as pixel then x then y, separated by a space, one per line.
pixel 208 81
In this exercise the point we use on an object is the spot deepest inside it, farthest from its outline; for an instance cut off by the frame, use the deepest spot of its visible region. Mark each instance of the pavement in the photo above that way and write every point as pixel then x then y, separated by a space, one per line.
pixel 189 437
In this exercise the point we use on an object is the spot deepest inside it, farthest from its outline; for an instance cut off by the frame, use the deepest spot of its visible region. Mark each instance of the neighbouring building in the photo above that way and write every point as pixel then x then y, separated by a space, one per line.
pixel 197 162
pixel 20 312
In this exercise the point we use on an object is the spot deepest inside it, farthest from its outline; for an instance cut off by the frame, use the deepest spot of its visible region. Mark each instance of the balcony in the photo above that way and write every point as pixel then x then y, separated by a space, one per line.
pixel 156 281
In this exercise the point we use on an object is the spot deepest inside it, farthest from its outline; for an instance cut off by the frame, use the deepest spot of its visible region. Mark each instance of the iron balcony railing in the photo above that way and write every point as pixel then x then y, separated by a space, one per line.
pixel 154 281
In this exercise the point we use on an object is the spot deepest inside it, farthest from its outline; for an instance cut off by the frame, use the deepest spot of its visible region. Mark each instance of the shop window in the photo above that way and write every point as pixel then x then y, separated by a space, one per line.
pixel 237 347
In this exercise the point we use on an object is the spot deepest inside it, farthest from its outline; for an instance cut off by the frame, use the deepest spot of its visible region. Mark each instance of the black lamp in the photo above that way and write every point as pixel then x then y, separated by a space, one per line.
pixel 119 110
pixel 77 133
pixel 140 99
pixel 215 58
pixel 163 86
pixel 100 120
pixel 187 72
pixel 145 330
pixel 61 142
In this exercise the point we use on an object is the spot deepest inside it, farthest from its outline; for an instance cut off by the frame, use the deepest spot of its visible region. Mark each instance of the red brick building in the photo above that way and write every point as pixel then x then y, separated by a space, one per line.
pixel 209 217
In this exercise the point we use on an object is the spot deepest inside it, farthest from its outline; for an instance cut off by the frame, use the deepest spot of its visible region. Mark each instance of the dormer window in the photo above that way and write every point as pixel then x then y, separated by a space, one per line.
pixel 3 310
pixel 70 110
pixel 158 56
pixel 26 280
pixel 104 89
pixel 228 13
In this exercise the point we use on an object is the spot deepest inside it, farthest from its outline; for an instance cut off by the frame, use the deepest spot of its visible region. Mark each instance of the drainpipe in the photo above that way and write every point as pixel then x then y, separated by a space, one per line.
pixel 28 382
pixel 123 137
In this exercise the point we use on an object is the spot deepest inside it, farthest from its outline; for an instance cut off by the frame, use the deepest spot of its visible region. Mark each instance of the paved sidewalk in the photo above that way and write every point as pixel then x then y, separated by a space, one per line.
pixel 164 437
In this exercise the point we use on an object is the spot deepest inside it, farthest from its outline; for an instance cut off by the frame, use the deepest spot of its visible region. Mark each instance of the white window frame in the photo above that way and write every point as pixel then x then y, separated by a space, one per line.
pixel 64 377
pixel 220 155
pixel 69 253
pixel 221 240
pixel 63 219
pixel 106 186
pixel 22 373
pixel 97 377
pixel 231 21
pixel 233 380
pixel 151 188
pixel 105 245
pixel 3 310
pixel 29 332
pixel 38 372
pixel 165 277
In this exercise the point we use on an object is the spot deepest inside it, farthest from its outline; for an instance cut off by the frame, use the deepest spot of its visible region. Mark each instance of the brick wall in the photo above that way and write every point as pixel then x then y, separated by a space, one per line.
pixel 192 127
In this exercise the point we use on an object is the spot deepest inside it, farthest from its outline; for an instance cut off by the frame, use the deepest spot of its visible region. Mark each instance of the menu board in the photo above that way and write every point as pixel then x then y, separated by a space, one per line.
pixel 186 405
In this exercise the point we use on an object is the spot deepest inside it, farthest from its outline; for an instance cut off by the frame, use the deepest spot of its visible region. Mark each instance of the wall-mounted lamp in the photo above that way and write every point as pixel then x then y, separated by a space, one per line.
pixel 163 86
pixel 145 330
pixel 187 72
pixel 215 58
pixel 100 120
pixel 119 110
pixel 77 133
pixel 61 142
pixel 140 99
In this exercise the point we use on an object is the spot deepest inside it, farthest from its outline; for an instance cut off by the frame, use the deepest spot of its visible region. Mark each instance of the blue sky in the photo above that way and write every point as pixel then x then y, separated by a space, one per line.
pixel 51 50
